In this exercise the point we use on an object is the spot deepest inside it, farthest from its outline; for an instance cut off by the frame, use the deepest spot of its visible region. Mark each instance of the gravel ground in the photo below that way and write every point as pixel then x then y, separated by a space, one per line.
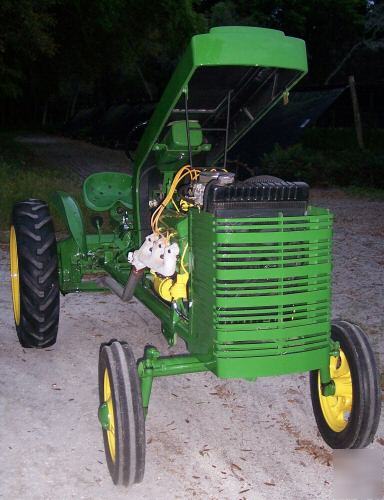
pixel 206 438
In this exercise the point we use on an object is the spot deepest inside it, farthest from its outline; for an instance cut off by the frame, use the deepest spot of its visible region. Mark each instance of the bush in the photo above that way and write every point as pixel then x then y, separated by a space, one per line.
pixel 346 167
pixel 339 139
pixel 297 163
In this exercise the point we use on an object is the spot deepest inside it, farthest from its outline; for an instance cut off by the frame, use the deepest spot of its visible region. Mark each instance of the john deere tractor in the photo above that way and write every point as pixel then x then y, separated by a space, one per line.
pixel 239 268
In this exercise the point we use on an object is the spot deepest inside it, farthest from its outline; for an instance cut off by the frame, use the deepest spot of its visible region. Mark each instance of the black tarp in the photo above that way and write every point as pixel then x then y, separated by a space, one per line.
pixel 284 124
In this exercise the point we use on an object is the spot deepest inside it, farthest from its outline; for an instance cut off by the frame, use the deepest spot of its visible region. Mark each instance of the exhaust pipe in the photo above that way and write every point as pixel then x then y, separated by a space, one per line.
pixel 124 292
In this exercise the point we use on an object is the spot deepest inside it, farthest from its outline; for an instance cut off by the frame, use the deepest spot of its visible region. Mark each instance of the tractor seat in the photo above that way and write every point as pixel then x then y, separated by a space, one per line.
pixel 101 191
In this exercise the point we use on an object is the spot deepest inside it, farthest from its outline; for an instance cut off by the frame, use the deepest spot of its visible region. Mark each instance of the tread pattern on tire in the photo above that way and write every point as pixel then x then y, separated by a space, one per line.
pixel 365 414
pixel 38 274
pixel 129 464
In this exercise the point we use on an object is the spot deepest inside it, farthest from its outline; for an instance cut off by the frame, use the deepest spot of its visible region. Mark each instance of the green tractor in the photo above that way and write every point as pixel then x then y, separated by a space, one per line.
pixel 239 268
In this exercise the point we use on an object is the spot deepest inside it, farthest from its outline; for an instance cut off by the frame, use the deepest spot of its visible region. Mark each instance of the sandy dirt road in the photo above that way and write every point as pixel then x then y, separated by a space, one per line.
pixel 79 156
pixel 206 438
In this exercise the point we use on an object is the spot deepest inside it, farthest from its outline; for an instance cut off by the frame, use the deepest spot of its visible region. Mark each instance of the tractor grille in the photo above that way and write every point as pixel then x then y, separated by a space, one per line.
pixel 263 288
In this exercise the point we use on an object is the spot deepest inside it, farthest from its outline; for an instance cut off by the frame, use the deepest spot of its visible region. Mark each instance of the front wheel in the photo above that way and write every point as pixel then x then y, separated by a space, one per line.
pixel 350 417
pixel 121 414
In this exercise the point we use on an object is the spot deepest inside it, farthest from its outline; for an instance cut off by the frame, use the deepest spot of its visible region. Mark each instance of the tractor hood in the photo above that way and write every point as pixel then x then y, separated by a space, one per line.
pixel 226 81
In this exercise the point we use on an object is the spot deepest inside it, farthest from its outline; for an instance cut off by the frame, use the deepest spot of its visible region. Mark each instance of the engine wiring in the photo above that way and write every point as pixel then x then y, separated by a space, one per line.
pixel 182 259
pixel 181 174
pixel 174 204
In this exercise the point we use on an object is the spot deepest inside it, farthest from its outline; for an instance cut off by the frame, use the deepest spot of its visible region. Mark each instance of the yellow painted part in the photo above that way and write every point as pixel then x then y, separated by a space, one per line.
pixel 162 287
pixel 111 416
pixel 169 290
pixel 185 205
pixel 15 280
pixel 337 409
pixel 179 289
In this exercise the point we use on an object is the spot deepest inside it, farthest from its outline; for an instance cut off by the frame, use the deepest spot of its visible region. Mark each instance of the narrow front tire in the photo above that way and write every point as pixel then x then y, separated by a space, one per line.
pixel 349 419
pixel 121 414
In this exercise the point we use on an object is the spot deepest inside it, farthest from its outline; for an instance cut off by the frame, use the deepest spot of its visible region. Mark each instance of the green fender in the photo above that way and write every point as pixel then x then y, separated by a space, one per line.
pixel 71 213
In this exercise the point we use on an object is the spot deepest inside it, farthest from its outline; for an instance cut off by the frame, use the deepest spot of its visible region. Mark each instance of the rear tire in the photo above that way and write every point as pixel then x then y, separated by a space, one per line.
pixel 121 414
pixel 362 414
pixel 34 274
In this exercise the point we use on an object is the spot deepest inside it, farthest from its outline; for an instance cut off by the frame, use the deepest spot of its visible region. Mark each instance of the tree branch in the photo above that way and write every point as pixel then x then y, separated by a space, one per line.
pixel 342 62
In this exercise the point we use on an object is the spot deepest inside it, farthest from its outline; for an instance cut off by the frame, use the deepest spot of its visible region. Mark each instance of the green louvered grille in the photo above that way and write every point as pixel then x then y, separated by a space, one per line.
pixel 269 289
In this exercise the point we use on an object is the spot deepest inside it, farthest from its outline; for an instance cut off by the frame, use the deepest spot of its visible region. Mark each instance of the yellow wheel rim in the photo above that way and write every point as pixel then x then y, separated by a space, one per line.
pixel 15 281
pixel 337 408
pixel 111 416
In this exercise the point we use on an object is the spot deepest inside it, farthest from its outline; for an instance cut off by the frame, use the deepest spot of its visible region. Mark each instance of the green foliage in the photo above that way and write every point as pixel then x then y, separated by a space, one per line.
pixel 118 43
pixel 297 163
pixel 339 139
pixel 330 28
pixel 26 34
pixel 21 178
pixel 224 14
pixel 96 52
pixel 374 27
pixel 56 51
pixel 328 166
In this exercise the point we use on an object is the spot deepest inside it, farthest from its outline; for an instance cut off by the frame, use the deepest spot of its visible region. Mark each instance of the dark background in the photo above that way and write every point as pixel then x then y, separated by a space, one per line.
pixel 59 56
pixel 93 69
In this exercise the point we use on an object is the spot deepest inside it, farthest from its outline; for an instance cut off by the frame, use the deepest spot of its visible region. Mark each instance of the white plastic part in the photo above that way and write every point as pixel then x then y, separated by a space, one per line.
pixel 139 257
pixel 156 254
pixel 170 257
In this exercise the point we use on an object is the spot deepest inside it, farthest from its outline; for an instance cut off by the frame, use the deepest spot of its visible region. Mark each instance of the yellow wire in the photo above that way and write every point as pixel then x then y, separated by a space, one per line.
pixel 182 258
pixel 183 172
pixel 157 213
pixel 174 204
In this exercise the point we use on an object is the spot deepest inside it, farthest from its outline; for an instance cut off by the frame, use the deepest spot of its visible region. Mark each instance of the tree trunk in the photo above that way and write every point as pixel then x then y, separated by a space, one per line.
pixel 342 62
pixel 45 114
pixel 356 112
pixel 74 101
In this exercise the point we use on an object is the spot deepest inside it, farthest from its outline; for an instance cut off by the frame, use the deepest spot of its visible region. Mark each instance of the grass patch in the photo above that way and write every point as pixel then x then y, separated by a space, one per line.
pixel 22 177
